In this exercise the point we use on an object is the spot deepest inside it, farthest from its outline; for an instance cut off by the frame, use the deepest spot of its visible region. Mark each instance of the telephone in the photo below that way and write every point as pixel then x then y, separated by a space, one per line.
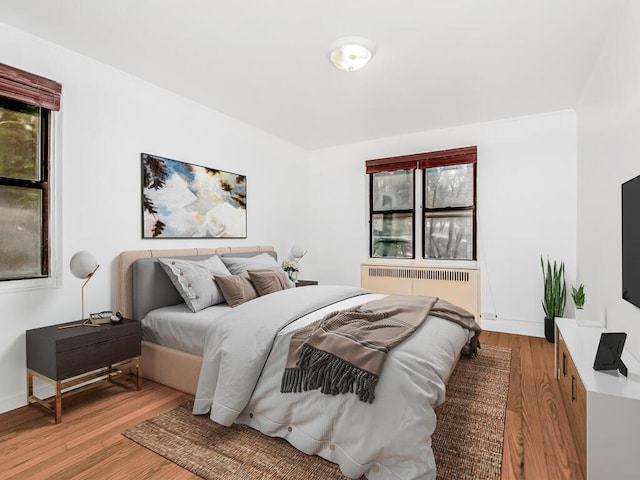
pixel 107 316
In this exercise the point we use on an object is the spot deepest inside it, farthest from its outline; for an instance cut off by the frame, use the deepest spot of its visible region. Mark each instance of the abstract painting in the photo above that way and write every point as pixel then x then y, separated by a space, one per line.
pixel 181 200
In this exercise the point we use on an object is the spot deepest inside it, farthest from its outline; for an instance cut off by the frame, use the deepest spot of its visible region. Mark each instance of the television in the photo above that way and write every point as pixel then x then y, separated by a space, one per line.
pixel 631 241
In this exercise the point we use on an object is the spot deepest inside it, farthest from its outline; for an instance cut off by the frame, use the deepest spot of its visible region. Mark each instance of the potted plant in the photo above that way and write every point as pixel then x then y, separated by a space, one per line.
pixel 555 296
pixel 577 294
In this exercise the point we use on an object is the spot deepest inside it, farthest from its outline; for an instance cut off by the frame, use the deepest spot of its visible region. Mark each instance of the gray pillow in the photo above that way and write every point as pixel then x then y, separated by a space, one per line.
pixel 237 289
pixel 194 280
pixel 238 265
pixel 242 264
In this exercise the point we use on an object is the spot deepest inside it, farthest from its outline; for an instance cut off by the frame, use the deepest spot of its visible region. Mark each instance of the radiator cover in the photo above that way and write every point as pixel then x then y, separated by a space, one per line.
pixel 460 286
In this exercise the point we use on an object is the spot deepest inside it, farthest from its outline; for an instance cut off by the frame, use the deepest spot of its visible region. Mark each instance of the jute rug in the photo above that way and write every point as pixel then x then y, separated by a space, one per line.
pixel 467 442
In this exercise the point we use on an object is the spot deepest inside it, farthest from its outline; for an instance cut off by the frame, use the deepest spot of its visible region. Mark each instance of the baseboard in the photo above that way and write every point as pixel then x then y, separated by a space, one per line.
pixel 20 399
pixel 518 327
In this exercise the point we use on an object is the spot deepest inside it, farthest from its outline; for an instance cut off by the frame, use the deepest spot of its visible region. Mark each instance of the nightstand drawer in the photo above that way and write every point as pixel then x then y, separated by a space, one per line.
pixel 94 335
pixel 107 351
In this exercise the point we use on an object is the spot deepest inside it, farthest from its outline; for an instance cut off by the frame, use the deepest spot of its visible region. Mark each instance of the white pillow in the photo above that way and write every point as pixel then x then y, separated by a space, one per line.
pixel 194 280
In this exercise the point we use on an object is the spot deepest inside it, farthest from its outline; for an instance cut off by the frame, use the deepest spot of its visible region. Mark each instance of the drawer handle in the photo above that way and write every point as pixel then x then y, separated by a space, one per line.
pixel 573 388
pixel 101 342
pixel 564 364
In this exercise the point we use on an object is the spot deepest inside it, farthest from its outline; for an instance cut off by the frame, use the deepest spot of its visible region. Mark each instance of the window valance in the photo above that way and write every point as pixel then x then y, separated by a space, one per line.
pixel 29 88
pixel 454 156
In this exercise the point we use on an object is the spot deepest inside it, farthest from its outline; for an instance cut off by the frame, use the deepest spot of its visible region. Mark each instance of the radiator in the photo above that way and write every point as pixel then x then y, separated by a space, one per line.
pixel 460 286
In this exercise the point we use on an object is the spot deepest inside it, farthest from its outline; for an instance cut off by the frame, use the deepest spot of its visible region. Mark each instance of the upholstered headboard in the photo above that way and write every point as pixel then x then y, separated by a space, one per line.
pixel 158 289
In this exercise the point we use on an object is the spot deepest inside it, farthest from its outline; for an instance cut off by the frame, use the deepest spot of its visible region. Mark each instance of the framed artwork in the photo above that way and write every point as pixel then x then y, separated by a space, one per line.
pixel 181 200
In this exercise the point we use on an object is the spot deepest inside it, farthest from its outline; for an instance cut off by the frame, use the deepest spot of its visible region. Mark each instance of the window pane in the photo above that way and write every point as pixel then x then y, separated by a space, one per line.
pixel 450 186
pixel 20 232
pixel 449 235
pixel 393 190
pixel 392 235
pixel 19 145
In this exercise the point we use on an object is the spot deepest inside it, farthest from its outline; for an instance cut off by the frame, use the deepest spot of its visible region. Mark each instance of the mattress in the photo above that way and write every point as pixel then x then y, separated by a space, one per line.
pixel 179 328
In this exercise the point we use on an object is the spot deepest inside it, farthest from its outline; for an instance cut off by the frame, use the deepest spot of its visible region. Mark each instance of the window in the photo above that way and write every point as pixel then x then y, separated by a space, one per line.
pixel 392 200
pixel 447 193
pixel 26 103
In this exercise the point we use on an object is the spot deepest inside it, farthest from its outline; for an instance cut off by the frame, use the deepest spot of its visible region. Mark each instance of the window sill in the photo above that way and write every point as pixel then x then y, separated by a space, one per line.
pixel 413 262
pixel 14 286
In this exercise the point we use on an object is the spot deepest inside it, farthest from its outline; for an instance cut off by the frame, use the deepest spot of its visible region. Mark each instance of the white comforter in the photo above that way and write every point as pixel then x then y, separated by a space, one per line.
pixel 245 355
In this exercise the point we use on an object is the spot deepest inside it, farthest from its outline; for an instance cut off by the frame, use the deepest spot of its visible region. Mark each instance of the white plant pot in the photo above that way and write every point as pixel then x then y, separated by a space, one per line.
pixel 581 319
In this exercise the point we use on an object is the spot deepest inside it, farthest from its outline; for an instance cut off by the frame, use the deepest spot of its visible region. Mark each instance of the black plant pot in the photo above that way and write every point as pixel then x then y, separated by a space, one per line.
pixel 549 329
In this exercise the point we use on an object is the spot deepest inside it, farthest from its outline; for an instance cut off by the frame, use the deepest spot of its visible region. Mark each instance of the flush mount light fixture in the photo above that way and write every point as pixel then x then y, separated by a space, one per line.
pixel 351 53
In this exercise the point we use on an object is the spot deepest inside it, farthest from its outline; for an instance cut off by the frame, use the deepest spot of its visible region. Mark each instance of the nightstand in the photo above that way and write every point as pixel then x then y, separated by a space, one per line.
pixel 73 356
pixel 304 283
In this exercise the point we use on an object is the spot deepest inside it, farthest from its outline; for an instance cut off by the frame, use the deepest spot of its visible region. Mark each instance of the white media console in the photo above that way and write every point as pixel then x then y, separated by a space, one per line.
pixel 603 407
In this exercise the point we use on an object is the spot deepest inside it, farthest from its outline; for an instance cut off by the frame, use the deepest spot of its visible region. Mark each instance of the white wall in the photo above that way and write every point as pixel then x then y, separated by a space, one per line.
pixel 108 118
pixel 608 126
pixel 526 193
pixel 526 208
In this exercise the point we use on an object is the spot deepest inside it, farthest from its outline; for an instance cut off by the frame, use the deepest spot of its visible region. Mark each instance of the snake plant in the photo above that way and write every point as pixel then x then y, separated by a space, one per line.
pixel 555 289
pixel 578 296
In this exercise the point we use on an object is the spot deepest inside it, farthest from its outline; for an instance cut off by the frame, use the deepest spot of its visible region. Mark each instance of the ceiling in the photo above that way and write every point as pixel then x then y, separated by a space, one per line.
pixel 438 63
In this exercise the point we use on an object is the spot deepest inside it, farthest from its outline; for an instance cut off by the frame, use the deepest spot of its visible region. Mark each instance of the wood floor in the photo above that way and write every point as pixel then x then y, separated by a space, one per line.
pixel 537 440
pixel 88 443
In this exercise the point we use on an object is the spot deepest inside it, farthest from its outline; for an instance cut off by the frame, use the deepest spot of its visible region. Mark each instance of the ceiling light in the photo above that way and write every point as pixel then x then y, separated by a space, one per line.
pixel 351 53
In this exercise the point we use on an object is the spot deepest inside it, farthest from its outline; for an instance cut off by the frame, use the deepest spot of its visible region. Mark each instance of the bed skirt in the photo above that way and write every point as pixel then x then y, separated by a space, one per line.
pixel 174 368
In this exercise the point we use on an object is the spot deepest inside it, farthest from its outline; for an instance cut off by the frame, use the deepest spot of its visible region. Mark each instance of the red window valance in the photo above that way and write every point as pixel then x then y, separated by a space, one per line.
pixel 29 88
pixel 454 156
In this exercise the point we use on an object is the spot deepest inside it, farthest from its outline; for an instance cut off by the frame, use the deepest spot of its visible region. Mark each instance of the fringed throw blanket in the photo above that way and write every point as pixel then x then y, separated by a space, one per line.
pixel 345 351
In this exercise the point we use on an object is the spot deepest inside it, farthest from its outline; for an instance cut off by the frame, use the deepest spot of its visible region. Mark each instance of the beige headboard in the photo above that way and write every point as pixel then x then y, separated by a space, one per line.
pixel 124 298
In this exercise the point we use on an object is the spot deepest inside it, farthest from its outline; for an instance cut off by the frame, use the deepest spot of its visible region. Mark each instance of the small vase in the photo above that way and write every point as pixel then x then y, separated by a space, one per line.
pixel 293 276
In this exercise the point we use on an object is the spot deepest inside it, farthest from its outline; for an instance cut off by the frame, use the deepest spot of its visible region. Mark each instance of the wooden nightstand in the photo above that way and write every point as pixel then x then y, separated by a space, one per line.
pixel 85 353
pixel 304 283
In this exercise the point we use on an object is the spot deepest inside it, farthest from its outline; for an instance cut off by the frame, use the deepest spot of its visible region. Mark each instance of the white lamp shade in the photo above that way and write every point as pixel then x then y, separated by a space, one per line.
pixel 83 264
pixel 297 251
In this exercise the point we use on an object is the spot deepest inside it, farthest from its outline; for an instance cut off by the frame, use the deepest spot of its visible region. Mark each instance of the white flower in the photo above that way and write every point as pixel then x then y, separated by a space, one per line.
pixel 290 266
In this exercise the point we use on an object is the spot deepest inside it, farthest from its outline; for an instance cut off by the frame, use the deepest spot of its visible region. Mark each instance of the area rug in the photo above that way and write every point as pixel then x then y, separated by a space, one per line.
pixel 469 436
pixel 467 442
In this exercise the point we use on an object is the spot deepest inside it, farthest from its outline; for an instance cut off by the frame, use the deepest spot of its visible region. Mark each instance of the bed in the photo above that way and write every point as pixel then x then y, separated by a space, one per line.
pixel 169 366
pixel 236 372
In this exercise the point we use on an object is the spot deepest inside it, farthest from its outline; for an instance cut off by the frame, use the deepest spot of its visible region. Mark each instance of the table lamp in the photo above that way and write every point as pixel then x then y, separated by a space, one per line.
pixel 297 252
pixel 83 265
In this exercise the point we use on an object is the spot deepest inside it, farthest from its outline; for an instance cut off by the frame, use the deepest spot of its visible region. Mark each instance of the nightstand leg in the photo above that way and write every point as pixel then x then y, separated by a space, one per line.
pixel 58 408
pixel 29 386
pixel 139 372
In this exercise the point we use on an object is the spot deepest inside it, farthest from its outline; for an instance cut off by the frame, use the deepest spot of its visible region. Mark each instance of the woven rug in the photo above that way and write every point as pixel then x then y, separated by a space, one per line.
pixel 467 442
pixel 469 436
